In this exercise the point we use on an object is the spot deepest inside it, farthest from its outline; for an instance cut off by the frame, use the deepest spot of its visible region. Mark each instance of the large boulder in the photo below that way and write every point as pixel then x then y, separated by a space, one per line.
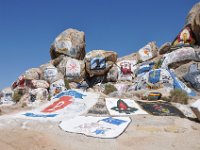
pixel 154 79
pixel 126 69
pixel 181 55
pixel 50 73
pixel 112 74
pixel 148 52
pixel 38 94
pixel 99 62
pixel 57 87
pixel 73 69
pixel 70 42
pixel 132 56
pixel 33 74
pixel 193 19
pixel 39 84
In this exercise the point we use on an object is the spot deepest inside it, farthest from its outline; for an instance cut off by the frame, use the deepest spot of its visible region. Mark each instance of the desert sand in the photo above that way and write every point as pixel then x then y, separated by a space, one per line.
pixel 145 132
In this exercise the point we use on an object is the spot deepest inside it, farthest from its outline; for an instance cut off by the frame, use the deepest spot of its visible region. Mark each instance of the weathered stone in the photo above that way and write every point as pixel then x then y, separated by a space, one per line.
pixel 164 48
pixel 57 87
pixel 112 74
pixel 148 52
pixel 132 56
pixel 7 96
pixel 40 84
pixel 39 94
pixel 181 55
pixel 185 109
pixel 70 42
pixel 154 79
pixel 74 70
pixel 50 73
pixel 196 108
pixel 99 62
pixel 57 60
pixel 193 19
pixel 33 74
pixel 126 69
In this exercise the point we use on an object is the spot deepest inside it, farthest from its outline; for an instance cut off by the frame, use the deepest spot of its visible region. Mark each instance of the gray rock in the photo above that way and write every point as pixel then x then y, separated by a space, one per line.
pixel 112 74
pixel 193 76
pixel 7 96
pixel 50 73
pixel 181 55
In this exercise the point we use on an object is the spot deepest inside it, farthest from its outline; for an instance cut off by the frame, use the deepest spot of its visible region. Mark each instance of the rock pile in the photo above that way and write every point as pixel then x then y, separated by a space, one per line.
pixel 148 69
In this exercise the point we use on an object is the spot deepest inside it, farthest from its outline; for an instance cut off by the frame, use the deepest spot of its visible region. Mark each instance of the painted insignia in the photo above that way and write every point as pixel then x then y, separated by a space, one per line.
pixel 122 107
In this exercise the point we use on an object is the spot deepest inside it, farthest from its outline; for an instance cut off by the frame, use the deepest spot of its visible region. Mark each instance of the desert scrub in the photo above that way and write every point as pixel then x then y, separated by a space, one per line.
pixel 24 105
pixel 165 98
pixel 67 83
pixel 178 96
pixel 17 96
pixel 109 88
pixel 139 61
pixel 158 64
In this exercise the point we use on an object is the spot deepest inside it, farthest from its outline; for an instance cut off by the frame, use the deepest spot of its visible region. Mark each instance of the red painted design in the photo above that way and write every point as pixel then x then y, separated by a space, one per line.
pixel 122 105
pixel 60 104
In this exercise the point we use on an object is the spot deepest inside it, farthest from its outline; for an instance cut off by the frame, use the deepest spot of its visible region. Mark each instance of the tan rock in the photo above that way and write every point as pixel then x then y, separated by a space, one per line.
pixel 99 62
pixel 147 52
pixel 70 42
pixel 193 18
pixel 73 69
pixel 33 74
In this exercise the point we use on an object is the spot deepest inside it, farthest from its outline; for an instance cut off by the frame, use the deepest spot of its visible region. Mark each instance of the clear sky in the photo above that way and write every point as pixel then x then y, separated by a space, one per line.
pixel 28 27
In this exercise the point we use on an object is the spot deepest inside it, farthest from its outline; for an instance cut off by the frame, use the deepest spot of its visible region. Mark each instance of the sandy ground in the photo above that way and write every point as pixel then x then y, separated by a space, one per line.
pixel 145 132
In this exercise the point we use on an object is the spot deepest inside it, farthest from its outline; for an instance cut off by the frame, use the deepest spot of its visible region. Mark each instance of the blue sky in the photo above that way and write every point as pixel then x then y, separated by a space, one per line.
pixel 28 27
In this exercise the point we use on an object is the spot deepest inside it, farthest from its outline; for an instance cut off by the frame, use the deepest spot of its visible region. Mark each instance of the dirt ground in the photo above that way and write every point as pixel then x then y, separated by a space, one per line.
pixel 145 132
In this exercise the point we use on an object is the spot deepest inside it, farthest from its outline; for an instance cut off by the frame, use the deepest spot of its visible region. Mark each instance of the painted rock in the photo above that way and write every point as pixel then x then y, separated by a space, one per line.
pixel 154 96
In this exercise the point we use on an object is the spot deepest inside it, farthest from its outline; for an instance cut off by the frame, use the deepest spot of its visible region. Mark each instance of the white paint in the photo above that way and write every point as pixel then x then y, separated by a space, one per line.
pixel 88 125
pixel 112 102
pixel 196 105
pixel 57 86
pixel 145 53
pixel 73 68
pixel 77 107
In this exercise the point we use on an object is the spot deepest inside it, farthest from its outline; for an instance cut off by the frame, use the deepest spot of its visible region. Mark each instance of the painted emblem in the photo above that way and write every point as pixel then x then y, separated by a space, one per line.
pixel 122 107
